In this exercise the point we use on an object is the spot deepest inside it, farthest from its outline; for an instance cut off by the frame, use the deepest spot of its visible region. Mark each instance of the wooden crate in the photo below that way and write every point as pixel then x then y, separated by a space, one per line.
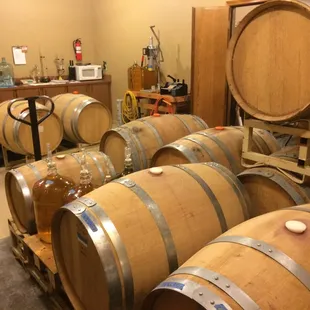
pixel 38 260
pixel 300 129
pixel 140 78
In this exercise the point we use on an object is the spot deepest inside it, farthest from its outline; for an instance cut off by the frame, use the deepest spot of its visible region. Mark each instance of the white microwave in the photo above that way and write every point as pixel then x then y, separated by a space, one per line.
pixel 89 72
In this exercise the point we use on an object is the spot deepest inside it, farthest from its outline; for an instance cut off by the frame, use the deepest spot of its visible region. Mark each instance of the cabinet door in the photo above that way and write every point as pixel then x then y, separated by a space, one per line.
pixel 7 94
pixel 81 89
pixel 209 45
pixel 102 93
pixel 54 91
pixel 28 92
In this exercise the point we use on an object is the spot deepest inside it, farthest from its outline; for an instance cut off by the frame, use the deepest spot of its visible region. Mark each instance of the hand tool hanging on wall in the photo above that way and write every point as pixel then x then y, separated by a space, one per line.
pixel 77 47
pixel 34 122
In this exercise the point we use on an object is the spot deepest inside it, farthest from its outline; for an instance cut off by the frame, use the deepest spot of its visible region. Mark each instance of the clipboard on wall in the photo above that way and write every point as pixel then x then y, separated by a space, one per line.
pixel 19 54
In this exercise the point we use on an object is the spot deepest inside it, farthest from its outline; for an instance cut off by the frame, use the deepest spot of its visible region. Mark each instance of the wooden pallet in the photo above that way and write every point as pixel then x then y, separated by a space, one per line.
pixel 38 260
pixel 300 129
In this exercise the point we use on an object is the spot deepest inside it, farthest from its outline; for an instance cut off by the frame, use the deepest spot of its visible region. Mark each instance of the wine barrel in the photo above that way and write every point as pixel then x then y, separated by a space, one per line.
pixel 268 61
pixel 146 136
pixel 19 183
pixel 220 144
pixel 259 264
pixel 17 137
pixel 128 235
pixel 271 190
pixel 85 119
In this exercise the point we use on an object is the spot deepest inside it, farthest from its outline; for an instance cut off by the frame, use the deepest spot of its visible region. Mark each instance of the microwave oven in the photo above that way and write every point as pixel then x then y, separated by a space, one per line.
pixel 89 72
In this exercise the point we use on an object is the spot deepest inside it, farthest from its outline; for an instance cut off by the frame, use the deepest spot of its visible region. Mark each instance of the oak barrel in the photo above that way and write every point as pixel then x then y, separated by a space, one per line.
pixel 269 190
pixel 268 61
pixel 146 135
pixel 19 183
pixel 259 264
pixel 220 144
pixel 128 235
pixel 85 119
pixel 17 137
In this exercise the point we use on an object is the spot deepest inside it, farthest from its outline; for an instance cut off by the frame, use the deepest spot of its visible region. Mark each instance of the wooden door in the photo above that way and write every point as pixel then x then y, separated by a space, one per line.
pixel 54 91
pixel 102 93
pixel 209 45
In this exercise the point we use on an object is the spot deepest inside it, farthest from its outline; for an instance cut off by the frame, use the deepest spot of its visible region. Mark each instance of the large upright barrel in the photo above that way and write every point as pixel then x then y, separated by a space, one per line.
pixel 146 136
pixel 85 119
pixel 259 264
pixel 271 190
pixel 268 61
pixel 17 136
pixel 113 245
pixel 19 183
pixel 220 144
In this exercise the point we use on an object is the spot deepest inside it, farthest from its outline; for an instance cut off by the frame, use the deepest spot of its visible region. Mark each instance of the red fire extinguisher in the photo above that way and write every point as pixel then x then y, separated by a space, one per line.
pixel 77 46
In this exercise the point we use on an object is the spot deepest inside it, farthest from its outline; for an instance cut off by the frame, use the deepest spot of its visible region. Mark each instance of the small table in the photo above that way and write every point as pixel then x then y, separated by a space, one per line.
pixel 152 97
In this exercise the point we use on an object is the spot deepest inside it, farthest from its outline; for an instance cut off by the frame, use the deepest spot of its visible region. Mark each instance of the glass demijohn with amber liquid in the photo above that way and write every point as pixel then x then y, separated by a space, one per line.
pixel 48 196
pixel 85 185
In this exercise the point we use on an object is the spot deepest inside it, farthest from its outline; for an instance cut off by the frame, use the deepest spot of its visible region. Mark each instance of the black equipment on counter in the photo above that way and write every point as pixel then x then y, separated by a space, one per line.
pixel 175 89
pixel 72 73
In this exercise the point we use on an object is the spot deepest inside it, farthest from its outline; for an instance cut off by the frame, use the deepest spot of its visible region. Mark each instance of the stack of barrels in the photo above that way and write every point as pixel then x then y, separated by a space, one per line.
pixel 270 83
pixel 77 118
pixel 192 227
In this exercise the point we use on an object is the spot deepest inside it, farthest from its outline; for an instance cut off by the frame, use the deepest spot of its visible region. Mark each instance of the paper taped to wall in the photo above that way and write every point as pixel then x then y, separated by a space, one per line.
pixel 19 55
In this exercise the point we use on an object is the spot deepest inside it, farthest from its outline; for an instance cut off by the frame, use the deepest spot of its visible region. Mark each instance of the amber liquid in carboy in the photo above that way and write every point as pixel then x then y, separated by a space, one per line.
pixel 85 185
pixel 48 196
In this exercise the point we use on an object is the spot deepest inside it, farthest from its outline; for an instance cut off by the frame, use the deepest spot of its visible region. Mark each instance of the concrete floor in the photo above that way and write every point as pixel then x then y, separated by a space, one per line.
pixel 18 291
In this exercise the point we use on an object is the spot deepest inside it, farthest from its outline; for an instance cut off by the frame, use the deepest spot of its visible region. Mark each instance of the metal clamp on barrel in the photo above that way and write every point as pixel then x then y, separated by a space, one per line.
pixel 34 122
